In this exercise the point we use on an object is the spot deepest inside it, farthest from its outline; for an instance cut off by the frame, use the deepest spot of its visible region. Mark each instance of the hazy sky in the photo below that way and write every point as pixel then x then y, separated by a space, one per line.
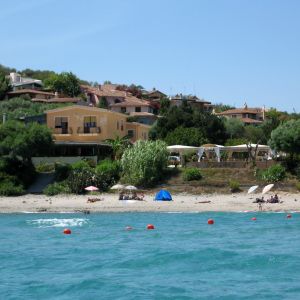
pixel 228 51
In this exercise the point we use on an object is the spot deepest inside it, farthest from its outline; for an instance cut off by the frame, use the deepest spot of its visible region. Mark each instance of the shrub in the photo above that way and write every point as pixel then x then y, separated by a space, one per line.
pixel 234 186
pixel 273 174
pixel 107 173
pixel 79 179
pixel 143 164
pixel 192 174
pixel 298 186
pixel 9 188
pixel 24 171
pixel 44 167
pixel 56 188
pixel 62 171
pixel 80 165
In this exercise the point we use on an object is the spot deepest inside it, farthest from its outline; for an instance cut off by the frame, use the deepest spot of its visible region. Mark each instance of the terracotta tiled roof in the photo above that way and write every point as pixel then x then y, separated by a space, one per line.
pixel 250 121
pixel 57 100
pixel 241 111
pixel 132 101
pixel 104 91
pixel 29 91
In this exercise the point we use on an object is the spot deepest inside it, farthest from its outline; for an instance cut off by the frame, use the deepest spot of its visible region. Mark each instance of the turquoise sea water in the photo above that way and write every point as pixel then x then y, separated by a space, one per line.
pixel 183 258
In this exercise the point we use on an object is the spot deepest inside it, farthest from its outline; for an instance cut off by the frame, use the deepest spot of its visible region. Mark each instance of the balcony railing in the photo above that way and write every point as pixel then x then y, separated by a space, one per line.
pixel 88 130
pixel 67 130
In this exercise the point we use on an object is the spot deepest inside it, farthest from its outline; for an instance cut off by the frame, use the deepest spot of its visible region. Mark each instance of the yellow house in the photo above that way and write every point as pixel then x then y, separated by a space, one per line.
pixel 84 124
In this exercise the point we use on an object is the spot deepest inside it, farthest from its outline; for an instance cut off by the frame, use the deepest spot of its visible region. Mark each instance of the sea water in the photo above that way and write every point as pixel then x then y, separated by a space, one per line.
pixel 183 258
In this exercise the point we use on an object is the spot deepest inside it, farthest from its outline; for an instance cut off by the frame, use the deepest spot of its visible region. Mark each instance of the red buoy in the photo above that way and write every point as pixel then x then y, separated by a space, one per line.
pixel 67 231
pixel 289 216
pixel 210 221
pixel 253 219
pixel 150 226
pixel 128 228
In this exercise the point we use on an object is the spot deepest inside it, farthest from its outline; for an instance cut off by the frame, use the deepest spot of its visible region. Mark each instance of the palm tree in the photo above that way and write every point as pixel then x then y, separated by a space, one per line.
pixel 118 146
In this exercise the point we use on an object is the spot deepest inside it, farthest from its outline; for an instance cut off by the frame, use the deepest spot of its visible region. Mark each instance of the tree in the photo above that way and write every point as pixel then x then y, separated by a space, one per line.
pixel 37 74
pixel 212 126
pixel 16 139
pixel 4 86
pixel 118 146
pixel 103 102
pixel 186 136
pixel 220 107
pixel 234 128
pixel 66 83
pixel 144 162
pixel 255 134
pixel 164 106
pixel 20 107
pixel 286 138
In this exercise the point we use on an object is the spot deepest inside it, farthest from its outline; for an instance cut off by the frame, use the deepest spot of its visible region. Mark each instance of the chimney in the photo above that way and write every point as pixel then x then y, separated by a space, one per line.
pixel 264 112
pixel 99 87
pixel 3 118
pixel 56 94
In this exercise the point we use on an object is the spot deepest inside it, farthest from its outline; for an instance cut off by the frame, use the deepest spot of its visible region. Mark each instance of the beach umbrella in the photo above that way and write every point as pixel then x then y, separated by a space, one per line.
pixel 267 188
pixel 252 189
pixel 91 188
pixel 117 187
pixel 130 187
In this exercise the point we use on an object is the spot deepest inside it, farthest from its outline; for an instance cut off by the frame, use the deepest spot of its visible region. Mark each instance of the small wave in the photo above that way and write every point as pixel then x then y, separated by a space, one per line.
pixel 58 222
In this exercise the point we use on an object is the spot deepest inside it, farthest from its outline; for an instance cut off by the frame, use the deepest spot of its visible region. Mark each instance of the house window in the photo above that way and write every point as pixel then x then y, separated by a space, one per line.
pixel 88 123
pixel 62 123
pixel 118 125
pixel 130 133
pixel 122 126
pixel 138 109
pixel 123 109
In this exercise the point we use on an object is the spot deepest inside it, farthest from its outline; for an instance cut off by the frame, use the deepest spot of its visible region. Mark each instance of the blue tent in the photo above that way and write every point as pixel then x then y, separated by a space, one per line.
pixel 163 195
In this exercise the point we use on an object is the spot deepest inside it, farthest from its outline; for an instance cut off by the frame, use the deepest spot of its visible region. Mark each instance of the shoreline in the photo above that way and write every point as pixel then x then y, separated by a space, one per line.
pixel 182 202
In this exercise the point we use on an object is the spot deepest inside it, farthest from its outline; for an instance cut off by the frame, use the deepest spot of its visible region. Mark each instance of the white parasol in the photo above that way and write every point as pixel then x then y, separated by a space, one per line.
pixel 267 188
pixel 252 189
pixel 130 187
pixel 117 187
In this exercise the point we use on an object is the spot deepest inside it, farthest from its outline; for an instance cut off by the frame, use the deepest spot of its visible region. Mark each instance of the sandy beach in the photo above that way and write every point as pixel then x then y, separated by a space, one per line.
pixel 181 203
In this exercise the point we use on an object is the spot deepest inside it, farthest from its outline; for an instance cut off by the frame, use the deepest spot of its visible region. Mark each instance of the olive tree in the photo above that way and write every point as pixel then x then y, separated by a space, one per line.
pixel 286 137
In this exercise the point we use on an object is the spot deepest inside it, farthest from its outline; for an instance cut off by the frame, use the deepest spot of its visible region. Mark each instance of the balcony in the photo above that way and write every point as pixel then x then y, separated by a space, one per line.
pixel 88 130
pixel 62 131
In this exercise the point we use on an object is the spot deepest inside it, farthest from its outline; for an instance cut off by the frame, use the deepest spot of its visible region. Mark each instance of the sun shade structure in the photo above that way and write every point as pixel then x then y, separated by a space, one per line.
pixel 267 188
pixel 182 148
pixel 252 189
pixel 130 187
pixel 91 188
pixel 118 187
pixel 163 195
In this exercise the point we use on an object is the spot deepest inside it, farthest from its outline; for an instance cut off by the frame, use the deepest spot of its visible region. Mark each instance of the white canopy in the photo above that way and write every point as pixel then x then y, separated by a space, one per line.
pixel 181 148
pixel 245 147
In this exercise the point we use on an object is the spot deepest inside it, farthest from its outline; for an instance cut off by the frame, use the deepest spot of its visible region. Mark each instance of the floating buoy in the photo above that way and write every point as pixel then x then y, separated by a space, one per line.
pixel 128 228
pixel 289 216
pixel 150 226
pixel 210 221
pixel 253 219
pixel 67 231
